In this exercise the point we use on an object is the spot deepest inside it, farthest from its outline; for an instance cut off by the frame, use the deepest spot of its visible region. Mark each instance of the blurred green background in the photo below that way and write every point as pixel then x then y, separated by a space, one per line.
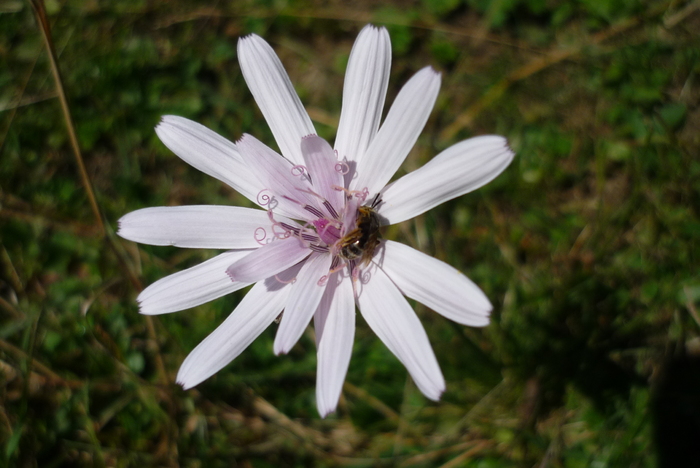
pixel 587 244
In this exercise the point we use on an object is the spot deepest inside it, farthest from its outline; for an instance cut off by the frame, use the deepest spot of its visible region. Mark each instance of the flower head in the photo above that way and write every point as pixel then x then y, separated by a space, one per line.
pixel 314 250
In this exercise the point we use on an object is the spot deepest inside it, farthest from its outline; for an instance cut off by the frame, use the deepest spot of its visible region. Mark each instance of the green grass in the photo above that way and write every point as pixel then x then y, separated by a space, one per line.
pixel 587 244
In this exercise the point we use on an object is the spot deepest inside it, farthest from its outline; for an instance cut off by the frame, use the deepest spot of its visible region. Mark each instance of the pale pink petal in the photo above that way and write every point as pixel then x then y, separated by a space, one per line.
pixel 209 152
pixel 269 260
pixel 399 132
pixel 192 287
pixel 199 226
pixel 293 193
pixel 388 313
pixel 256 311
pixel 459 169
pixel 304 297
pixel 324 168
pixel 275 95
pixel 366 81
pixel 335 338
pixel 434 284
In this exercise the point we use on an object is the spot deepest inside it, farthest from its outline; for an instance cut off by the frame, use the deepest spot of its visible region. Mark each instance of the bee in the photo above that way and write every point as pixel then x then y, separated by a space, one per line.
pixel 364 239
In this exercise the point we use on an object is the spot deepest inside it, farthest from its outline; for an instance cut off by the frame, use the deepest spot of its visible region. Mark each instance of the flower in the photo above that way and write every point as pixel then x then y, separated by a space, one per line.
pixel 314 249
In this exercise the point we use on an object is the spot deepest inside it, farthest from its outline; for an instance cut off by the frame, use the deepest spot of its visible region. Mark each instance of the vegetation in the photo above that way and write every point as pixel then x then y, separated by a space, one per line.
pixel 587 245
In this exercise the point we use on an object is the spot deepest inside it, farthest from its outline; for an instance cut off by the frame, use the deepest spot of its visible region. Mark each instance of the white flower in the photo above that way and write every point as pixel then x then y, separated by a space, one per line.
pixel 314 250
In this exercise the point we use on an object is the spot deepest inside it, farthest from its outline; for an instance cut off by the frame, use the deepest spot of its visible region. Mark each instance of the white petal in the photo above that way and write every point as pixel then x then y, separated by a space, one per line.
pixel 189 288
pixel 321 162
pixel 366 81
pixel 336 336
pixel 292 190
pixel 304 297
pixel 209 152
pixel 275 95
pixel 434 284
pixel 396 324
pixel 202 226
pixel 459 169
pixel 269 260
pixel 399 132
pixel 256 311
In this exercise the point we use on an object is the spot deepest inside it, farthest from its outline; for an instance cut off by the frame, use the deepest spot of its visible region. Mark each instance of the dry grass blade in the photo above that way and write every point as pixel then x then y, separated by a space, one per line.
pixel 428 456
pixel 9 308
pixel 372 401
pixel 675 18
pixel 35 364
pixel 466 455
pixel 311 436
pixel 44 26
pixel 42 20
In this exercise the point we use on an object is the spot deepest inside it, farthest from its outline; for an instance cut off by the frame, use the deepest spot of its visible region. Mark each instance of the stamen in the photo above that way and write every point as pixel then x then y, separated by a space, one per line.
pixel 292 200
pixel 286 229
pixel 260 235
pixel 325 202
pixel 291 281
pixel 349 193
pixel 310 237
pixel 284 234
pixel 311 192
pixel 342 167
pixel 330 209
pixel 290 228
pixel 362 195
pixel 355 270
pixel 302 172
pixel 319 248
pixel 359 194
pixel 359 274
pixel 334 263
pixel 266 200
pixel 306 234
pixel 313 210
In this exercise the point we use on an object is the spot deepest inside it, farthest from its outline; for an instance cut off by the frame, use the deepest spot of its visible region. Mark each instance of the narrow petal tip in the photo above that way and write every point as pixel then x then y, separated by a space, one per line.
pixel 371 29
pixel 231 274
pixel 434 390
pixel 509 150
pixel 190 374
pixel 185 386
pixel 248 38
pixel 326 404
pixel 325 411
pixel 242 139
pixel 163 120
pixel 144 304
pixel 170 121
pixel 254 37
pixel 432 71
pixel 438 393
pixel 280 348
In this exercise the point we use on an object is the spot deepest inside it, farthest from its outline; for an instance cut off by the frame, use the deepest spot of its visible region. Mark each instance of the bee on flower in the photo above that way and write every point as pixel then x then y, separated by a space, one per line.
pixel 314 250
